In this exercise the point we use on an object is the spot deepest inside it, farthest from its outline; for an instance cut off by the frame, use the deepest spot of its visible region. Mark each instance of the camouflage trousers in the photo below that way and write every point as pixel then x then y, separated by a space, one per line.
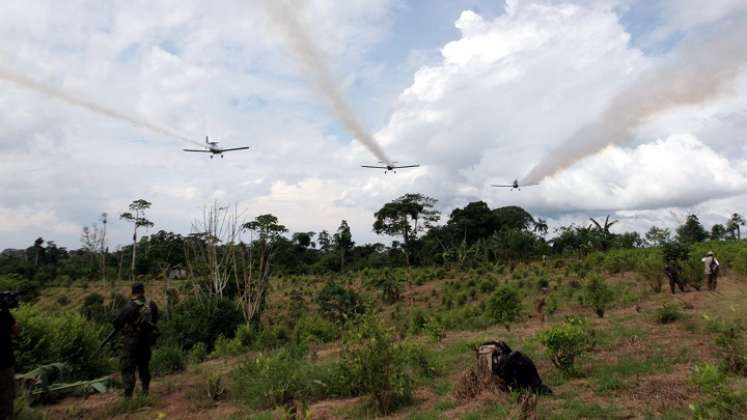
pixel 7 393
pixel 135 357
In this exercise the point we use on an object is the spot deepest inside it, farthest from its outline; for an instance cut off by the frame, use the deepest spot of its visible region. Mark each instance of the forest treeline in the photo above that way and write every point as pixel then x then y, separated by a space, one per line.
pixel 472 235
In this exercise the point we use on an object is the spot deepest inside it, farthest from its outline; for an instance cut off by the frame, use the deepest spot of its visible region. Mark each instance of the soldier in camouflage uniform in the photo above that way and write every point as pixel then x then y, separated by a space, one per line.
pixel 138 322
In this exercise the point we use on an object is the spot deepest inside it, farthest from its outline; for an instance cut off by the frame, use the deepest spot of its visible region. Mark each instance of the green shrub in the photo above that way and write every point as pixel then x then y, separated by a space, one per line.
pixel 228 347
pixel 198 354
pixel 720 401
pixel 339 304
pixel 272 336
pixel 668 313
pixel 597 294
pixel 505 305
pixel 314 329
pixel 272 380
pixel 418 321
pixel 435 329
pixel 377 366
pixel 201 321
pixel 46 338
pixel 567 342
pixel 487 285
pixel 166 360
pixel 650 268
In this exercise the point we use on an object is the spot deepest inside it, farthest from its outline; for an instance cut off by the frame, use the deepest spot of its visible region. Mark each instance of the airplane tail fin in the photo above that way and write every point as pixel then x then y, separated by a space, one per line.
pixel 207 141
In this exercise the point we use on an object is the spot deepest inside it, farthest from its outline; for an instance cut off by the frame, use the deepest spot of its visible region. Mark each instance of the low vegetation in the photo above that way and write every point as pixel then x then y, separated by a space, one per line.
pixel 363 331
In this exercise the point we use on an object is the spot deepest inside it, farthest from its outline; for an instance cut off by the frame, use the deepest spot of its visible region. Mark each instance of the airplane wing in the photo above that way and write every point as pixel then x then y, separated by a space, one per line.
pixel 373 167
pixel 197 150
pixel 406 166
pixel 235 148
pixel 502 186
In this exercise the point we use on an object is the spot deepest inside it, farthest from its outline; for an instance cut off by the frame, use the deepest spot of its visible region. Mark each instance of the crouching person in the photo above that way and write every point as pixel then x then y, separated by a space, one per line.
pixel 516 370
pixel 138 322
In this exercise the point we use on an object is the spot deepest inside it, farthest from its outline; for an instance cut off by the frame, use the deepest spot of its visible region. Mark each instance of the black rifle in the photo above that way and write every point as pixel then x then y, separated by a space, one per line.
pixel 105 342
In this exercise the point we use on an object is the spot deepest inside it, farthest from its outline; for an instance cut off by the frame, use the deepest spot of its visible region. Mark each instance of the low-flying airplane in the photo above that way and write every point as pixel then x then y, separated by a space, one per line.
pixel 390 167
pixel 514 186
pixel 212 147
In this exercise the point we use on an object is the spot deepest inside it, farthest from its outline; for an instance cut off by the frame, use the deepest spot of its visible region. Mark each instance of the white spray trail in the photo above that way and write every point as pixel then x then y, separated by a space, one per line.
pixel 285 18
pixel 68 98
pixel 699 71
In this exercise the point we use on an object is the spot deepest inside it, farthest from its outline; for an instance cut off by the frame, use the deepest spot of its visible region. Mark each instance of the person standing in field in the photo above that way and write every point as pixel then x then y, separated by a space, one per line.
pixel 138 322
pixel 8 329
pixel 672 271
pixel 711 266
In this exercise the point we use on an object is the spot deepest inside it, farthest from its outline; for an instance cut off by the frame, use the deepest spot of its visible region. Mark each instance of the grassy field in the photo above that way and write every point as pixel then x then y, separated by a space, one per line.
pixel 648 361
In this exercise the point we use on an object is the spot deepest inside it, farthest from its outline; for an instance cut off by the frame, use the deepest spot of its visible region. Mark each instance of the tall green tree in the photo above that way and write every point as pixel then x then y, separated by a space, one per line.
pixel 325 241
pixel 343 242
pixel 407 216
pixel 657 236
pixel 136 216
pixel 692 230
pixel 718 232
pixel 253 276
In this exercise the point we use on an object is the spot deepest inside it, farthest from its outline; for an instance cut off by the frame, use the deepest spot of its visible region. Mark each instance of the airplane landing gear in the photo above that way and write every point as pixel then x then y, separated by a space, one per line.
pixel 211 156
pixel 221 156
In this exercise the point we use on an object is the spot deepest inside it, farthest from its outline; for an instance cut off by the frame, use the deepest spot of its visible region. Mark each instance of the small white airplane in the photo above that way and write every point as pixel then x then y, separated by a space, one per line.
pixel 514 186
pixel 390 167
pixel 212 147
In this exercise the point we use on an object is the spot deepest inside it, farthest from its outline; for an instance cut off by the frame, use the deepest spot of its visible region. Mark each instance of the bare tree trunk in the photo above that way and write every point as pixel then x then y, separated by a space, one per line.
pixel 134 252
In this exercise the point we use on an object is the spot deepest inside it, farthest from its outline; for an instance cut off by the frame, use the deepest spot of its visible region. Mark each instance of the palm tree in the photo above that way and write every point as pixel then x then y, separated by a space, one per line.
pixel 604 231
pixel 733 226
pixel 540 227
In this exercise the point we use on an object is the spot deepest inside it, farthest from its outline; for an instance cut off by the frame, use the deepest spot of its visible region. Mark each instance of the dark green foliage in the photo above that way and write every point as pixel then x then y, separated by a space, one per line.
pixel 167 360
pixel 676 251
pixel 29 289
pixel 339 304
pixel 567 342
pixel 597 294
pixel 314 329
pixel 692 231
pixel 505 305
pixel 390 288
pixel 93 309
pixel 668 313
pixel 201 320
pixel 68 337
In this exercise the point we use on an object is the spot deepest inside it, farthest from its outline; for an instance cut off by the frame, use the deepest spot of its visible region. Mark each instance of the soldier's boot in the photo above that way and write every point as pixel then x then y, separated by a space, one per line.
pixel 144 373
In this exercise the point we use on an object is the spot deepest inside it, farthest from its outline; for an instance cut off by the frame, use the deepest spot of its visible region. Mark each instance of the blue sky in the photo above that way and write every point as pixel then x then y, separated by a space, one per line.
pixel 478 92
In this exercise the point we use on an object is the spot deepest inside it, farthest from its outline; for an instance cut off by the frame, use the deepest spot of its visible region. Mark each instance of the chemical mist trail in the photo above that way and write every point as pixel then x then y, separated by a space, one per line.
pixel 285 17
pixel 27 83
pixel 700 70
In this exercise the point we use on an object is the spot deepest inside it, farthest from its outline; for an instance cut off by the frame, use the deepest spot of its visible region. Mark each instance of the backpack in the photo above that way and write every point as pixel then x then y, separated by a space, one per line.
pixel 143 325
